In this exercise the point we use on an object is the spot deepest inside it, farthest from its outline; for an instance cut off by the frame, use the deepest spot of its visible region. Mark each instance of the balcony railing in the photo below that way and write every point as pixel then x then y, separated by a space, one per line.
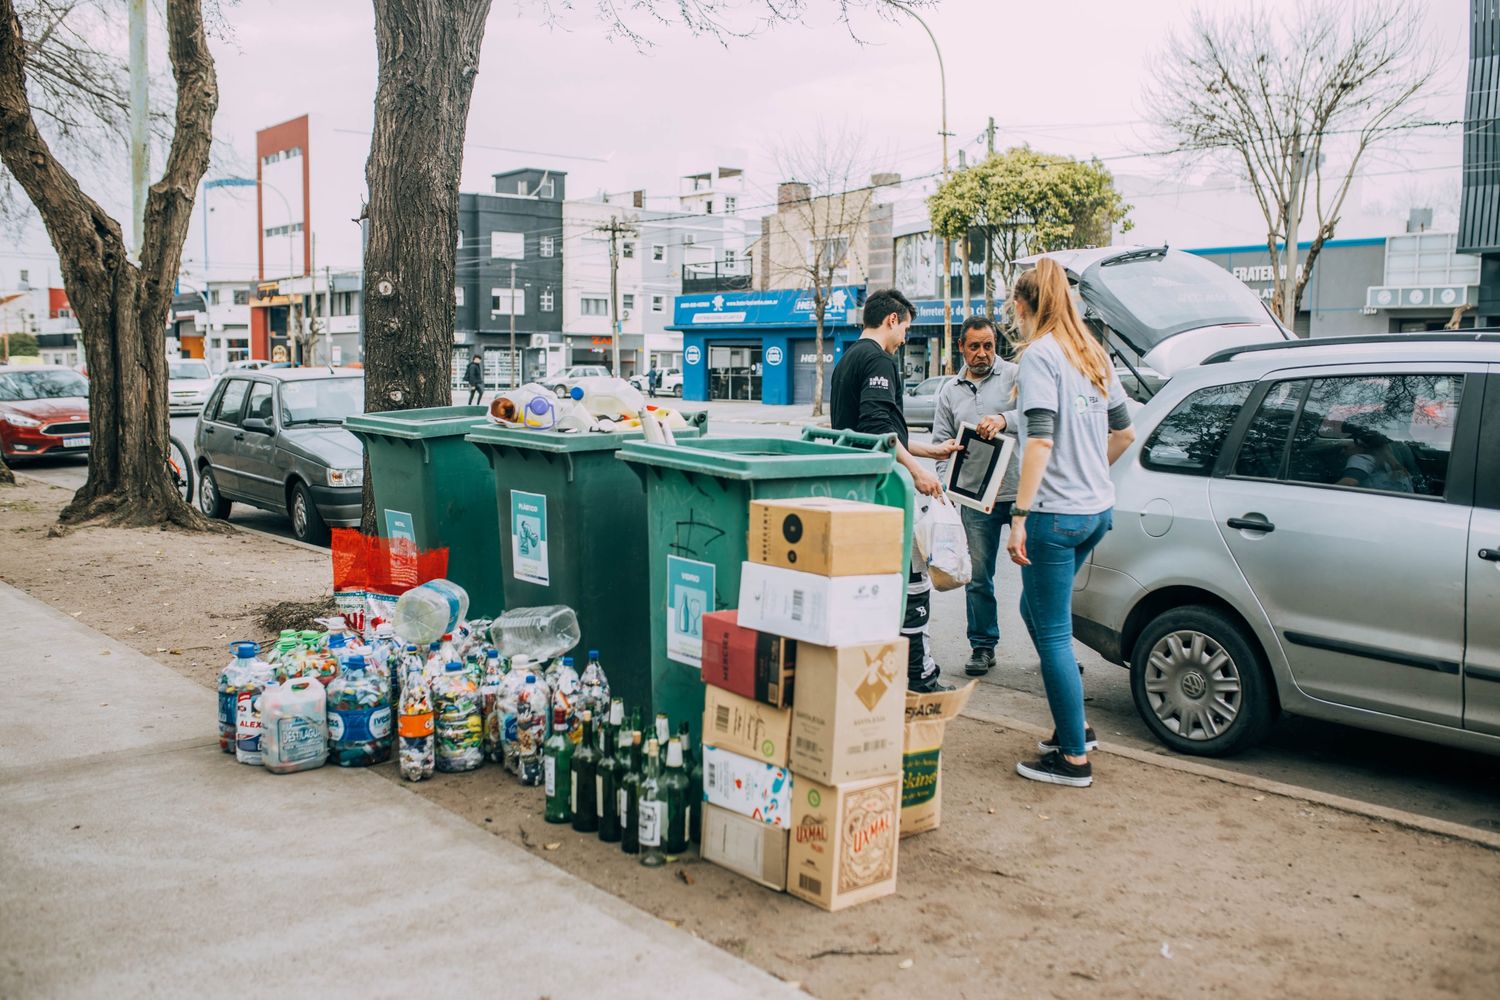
pixel 717 276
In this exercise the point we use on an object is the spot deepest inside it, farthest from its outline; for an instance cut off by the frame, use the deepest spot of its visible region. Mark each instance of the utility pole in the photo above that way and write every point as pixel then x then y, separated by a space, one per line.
pixel 515 377
pixel 1293 224
pixel 989 135
pixel 328 310
pixel 615 229
pixel 140 125
pixel 934 359
pixel 311 334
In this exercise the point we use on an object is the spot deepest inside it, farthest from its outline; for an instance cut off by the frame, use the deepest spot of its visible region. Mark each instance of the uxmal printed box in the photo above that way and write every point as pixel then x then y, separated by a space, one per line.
pixel 844 841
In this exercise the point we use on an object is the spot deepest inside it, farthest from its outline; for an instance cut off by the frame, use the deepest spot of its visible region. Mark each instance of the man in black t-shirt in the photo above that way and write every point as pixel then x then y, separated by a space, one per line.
pixel 867 390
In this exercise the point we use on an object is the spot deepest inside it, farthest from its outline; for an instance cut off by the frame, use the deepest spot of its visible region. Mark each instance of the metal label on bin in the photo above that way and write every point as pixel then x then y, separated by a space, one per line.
pixel 690 596
pixel 528 537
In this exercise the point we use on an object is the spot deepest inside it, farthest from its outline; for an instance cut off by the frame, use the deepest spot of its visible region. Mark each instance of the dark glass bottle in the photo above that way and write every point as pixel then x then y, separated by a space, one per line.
pixel 674 793
pixel 557 755
pixel 606 789
pixel 629 799
pixel 692 766
pixel 585 770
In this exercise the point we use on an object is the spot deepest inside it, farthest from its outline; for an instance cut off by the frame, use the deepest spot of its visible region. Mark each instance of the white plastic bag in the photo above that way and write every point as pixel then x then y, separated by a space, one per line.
pixel 943 543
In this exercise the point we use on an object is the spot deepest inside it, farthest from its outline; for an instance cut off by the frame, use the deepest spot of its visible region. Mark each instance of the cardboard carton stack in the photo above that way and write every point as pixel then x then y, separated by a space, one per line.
pixel 818 628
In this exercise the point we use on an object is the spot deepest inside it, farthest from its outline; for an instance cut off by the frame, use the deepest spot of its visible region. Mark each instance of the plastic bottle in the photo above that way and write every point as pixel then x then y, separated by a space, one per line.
pixel 459 727
pixel 415 726
pixel 359 715
pixel 540 633
pixel 652 809
pixel 674 787
pixel 593 689
pixel 294 726
pixel 608 397
pixel 506 701
pixel 557 770
pixel 489 705
pixel 532 704
pixel 286 660
pixel 426 613
pixel 251 681
pixel 562 682
pixel 234 674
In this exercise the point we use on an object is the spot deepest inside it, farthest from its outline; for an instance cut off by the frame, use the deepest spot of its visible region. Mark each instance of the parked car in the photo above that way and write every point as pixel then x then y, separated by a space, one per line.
pixel 568 377
pixel 256 364
pixel 275 439
pixel 44 410
pixel 920 402
pixel 189 382
pixel 670 384
pixel 1161 311
pixel 1310 527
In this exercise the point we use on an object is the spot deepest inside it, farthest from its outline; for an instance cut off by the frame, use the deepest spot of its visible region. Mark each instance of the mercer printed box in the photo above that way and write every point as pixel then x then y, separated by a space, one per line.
pixel 823 610
pixel 752 664
pixel 734 782
pixel 847 718
pixel 746 727
pixel 927 718
pixel 828 536
pixel 844 841
pixel 745 846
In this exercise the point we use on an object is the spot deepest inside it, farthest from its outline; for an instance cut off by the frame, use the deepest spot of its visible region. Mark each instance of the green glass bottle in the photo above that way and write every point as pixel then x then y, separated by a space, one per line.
pixel 652 810
pixel 692 766
pixel 629 799
pixel 674 786
pixel 606 789
pixel 585 767
pixel 557 760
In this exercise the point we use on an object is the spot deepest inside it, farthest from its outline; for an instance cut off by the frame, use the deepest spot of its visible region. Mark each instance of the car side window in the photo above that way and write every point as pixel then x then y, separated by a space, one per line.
pixel 1385 433
pixel 1188 439
pixel 260 402
pixel 232 400
pixel 1264 446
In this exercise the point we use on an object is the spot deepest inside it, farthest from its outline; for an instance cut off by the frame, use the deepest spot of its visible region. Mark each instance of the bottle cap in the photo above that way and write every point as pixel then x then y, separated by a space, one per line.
pixel 616 712
pixel 452 666
pixel 674 753
pixel 531 678
pixel 593 654
pixel 289 633
pixel 576 392
pixel 335 640
pixel 411 647
pixel 447 636
pixel 567 661
pixel 244 650
pixel 432 647
pixel 586 715
pixel 354 661
pixel 651 746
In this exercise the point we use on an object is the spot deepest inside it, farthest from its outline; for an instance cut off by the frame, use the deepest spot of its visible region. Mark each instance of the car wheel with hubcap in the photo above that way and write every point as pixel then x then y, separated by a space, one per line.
pixel 210 502
pixel 1200 685
pixel 307 524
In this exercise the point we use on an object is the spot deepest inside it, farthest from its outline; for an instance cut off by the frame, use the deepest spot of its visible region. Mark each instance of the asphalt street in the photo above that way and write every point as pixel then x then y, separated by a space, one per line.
pixel 1390 771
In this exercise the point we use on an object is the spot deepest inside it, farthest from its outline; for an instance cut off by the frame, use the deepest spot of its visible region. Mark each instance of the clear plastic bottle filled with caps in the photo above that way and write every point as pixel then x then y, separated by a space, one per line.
pixel 359 715
pixel 459 723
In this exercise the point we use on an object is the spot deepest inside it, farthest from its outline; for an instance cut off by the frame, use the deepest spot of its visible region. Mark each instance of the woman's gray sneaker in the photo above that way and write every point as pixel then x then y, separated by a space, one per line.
pixel 1056 769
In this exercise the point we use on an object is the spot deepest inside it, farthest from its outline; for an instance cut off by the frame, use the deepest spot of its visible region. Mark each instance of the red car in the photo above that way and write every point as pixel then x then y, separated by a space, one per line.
pixel 44 410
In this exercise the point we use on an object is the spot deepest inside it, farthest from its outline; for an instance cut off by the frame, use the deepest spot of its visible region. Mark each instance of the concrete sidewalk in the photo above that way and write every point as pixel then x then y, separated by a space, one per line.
pixel 139 860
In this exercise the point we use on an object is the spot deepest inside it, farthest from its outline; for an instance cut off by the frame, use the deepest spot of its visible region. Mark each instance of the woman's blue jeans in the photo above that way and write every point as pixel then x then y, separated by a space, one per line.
pixel 1058 545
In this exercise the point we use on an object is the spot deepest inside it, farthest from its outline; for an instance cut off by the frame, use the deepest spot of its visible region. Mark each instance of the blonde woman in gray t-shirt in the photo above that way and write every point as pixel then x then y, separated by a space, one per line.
pixel 1073 425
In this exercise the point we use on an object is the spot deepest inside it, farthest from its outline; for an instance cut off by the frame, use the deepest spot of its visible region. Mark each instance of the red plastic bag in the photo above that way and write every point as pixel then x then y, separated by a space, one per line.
pixel 370 572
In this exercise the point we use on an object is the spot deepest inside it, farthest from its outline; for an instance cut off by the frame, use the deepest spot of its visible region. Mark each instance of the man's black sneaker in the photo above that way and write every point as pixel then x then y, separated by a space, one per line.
pixel 930 686
pixel 1055 769
pixel 1090 741
pixel 980 662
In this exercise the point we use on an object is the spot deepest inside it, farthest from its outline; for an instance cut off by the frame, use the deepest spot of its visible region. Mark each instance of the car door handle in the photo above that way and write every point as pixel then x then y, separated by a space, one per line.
pixel 240 436
pixel 1256 523
pixel 208 430
pixel 1493 555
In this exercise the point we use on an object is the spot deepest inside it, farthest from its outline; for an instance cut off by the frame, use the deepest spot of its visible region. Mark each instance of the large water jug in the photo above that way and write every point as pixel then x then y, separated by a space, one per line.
pixel 427 613
pixel 294 726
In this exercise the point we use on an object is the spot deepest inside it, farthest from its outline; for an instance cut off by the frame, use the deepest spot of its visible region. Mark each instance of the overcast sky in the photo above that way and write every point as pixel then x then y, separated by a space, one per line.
pixel 1063 77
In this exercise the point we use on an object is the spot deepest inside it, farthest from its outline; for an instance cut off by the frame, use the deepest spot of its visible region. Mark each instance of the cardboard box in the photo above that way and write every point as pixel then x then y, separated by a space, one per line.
pixel 760 791
pixel 844 841
pixel 823 610
pixel 828 536
pixel 847 719
pixel 745 846
pixel 927 717
pixel 746 727
pixel 752 664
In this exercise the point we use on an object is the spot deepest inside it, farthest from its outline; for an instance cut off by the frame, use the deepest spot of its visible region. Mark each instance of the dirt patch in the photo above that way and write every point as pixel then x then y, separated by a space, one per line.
pixel 1152 883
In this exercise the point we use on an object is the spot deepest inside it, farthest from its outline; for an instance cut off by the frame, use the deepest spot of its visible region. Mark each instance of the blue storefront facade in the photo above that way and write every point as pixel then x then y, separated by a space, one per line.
pixel 761 345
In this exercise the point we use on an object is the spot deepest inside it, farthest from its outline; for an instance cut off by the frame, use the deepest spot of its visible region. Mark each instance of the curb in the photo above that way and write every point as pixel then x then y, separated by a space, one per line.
pixel 277 538
pixel 1399 817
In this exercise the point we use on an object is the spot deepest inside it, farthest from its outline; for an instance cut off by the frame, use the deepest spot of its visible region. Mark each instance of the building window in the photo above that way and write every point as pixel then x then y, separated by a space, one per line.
pixel 544 246
pixel 241 296
pixel 521 188
pixel 709 206
pixel 658 303
pixel 507 302
pixel 510 246
pixel 548 189
pixel 25 277
pixel 627 301
pixel 688 239
pixel 627 249
pixel 294 151
pixel 213 296
pixel 730 204
pixel 590 305
pixel 658 252
pixel 833 257
pixel 458 295
pixel 546 300
pixel 295 227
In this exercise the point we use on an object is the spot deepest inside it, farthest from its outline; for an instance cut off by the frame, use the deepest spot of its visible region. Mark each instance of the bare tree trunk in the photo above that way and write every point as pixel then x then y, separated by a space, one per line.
pixel 428 52
pixel 820 305
pixel 7 478
pixel 121 306
pixel 989 273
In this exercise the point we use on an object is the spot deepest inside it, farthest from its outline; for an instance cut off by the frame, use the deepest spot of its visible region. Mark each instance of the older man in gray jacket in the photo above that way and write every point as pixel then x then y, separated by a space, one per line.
pixel 983 395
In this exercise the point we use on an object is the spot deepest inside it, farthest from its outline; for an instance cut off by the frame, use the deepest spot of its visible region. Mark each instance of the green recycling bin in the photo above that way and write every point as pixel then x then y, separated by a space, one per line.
pixel 433 488
pixel 572 524
pixel 698 507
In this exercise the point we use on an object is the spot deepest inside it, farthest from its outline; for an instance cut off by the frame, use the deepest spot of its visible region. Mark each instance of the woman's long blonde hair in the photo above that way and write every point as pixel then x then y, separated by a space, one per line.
pixel 1044 289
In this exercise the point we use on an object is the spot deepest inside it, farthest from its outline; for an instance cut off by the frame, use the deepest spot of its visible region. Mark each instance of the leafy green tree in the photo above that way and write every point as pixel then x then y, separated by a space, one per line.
pixel 1025 202
pixel 22 344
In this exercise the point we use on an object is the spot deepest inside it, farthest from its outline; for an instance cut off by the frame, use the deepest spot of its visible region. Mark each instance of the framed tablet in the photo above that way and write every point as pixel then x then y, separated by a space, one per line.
pixel 975 474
